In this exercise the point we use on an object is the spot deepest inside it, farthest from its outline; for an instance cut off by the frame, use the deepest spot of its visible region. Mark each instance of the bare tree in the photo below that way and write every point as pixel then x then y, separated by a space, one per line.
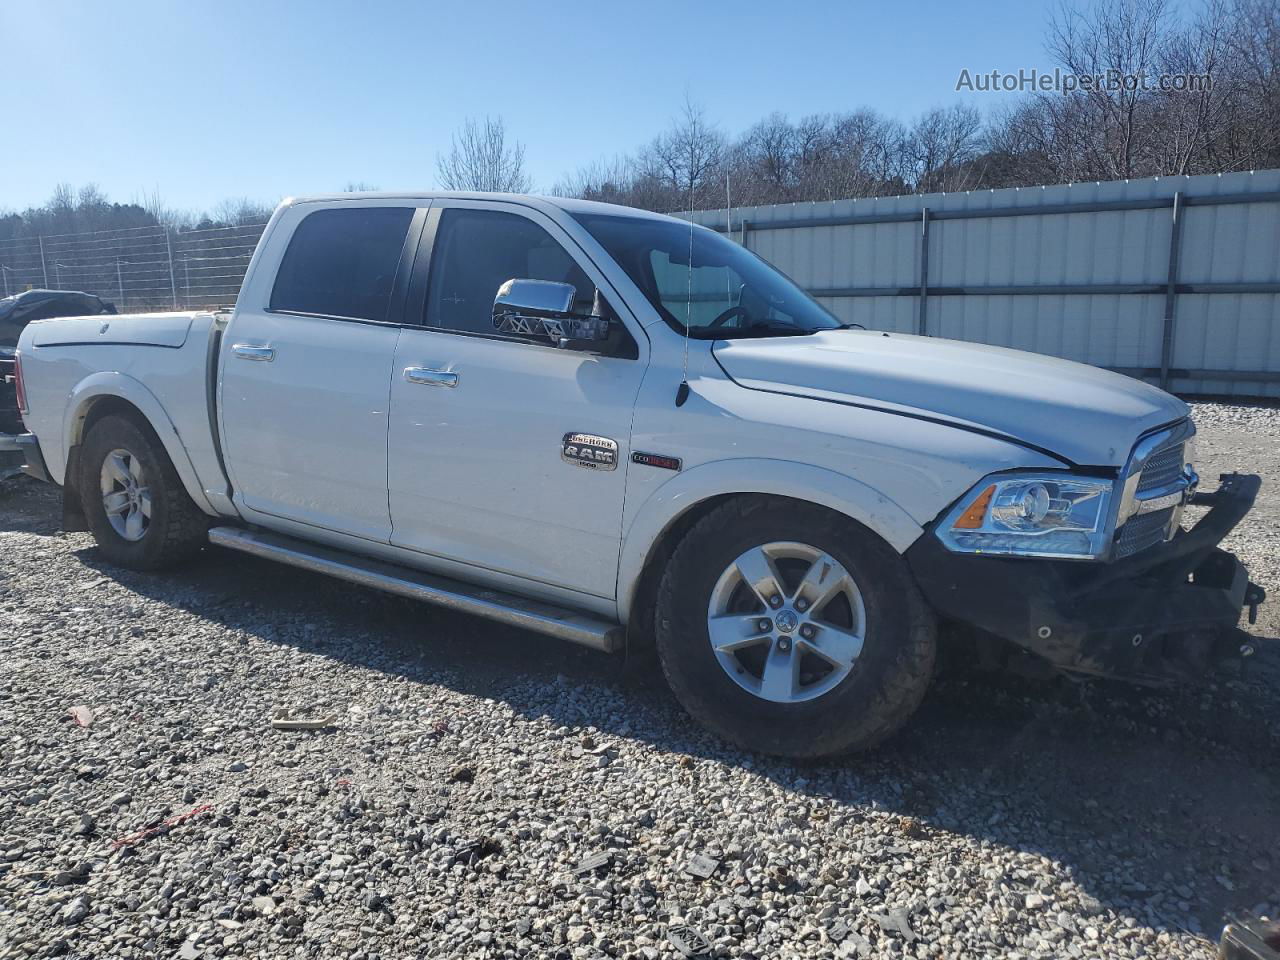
pixel 766 161
pixel 610 181
pixel 239 211
pixel 1222 111
pixel 1251 137
pixel 1188 122
pixel 1123 38
pixel 857 154
pixel 164 214
pixel 686 160
pixel 480 158
pixel 943 144
pixel 1023 148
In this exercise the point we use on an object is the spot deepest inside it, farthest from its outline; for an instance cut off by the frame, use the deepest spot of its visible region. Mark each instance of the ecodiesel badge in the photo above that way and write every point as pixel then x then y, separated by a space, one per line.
pixel 588 450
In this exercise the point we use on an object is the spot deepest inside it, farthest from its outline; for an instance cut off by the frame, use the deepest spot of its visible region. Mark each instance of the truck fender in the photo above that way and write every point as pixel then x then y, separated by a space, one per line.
pixel 112 384
pixel 777 477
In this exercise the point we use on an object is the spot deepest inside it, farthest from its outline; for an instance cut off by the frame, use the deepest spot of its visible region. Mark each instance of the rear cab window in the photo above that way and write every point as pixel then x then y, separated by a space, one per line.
pixel 342 263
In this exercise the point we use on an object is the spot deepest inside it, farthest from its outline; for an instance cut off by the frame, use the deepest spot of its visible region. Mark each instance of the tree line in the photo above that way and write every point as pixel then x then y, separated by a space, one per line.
pixel 87 209
pixel 1226 118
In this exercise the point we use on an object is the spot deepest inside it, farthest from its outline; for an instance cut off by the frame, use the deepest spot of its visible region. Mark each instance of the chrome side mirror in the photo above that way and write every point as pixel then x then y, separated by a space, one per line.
pixel 544 309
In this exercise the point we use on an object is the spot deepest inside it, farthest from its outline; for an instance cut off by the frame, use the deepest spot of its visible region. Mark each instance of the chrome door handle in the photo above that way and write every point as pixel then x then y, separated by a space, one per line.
pixel 432 378
pixel 251 351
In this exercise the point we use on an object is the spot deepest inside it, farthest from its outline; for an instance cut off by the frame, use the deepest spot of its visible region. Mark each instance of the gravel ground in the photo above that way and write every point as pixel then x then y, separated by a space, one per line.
pixel 483 792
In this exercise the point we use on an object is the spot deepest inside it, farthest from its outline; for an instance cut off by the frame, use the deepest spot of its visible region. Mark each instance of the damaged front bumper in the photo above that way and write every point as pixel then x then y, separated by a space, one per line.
pixel 1161 615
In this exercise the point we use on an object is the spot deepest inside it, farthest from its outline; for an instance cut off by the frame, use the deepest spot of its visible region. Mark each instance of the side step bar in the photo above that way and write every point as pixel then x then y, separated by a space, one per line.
pixel 530 614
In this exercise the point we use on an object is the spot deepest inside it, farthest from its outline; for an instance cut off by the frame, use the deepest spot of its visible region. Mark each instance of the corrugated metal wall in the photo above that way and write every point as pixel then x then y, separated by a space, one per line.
pixel 1083 271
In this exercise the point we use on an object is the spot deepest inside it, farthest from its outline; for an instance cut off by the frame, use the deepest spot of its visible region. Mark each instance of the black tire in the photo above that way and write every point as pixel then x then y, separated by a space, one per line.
pixel 888 679
pixel 176 529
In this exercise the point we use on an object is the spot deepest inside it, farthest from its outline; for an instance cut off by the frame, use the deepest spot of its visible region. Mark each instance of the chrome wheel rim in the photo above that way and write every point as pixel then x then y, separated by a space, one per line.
pixel 786 622
pixel 126 498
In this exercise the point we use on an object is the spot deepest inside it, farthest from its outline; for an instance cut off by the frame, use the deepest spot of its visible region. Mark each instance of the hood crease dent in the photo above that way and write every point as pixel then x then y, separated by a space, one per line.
pixel 1078 413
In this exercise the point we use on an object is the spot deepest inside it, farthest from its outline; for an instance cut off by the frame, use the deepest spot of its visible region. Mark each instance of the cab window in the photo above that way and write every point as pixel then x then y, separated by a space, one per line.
pixel 476 251
pixel 342 263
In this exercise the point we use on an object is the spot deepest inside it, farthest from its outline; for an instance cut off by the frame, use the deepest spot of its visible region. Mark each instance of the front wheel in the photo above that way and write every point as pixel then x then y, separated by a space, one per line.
pixel 792 630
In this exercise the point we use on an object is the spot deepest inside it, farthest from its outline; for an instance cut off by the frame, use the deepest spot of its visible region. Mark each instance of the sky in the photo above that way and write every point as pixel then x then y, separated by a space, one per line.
pixel 200 101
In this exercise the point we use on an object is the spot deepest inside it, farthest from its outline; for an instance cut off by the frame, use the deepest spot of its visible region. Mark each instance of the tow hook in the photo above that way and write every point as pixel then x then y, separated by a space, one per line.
pixel 1253 596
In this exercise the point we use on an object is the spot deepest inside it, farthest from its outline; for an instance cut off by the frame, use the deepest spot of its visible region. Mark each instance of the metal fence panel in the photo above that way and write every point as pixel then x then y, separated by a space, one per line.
pixel 1096 272
pixel 137 269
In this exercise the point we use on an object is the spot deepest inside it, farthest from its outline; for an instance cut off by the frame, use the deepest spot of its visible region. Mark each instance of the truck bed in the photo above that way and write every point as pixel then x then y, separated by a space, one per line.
pixel 165 364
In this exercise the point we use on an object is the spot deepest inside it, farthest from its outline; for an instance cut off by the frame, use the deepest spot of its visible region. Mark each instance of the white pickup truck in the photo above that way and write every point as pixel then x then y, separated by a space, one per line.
pixel 611 426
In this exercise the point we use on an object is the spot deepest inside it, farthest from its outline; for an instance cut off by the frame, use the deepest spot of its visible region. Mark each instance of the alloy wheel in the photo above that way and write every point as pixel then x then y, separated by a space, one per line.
pixel 786 621
pixel 126 498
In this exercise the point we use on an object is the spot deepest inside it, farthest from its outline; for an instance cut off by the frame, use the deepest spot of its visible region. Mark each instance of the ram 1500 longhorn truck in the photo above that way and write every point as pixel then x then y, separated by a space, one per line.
pixel 597 423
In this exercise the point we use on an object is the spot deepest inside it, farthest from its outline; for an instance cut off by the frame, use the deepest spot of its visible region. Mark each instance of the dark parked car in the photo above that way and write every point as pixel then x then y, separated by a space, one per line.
pixel 15 313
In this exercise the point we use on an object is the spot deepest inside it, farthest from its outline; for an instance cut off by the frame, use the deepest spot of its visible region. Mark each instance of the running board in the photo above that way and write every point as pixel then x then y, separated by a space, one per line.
pixel 530 614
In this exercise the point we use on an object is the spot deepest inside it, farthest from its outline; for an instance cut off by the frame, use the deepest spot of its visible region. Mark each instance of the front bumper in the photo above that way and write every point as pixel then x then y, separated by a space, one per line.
pixel 20 453
pixel 1157 616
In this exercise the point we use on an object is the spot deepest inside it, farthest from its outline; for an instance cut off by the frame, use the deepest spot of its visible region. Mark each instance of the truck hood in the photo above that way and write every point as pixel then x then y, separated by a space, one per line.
pixel 1083 414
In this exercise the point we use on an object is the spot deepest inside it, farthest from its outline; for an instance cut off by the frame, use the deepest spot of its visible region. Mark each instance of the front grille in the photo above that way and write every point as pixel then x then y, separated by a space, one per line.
pixel 1142 531
pixel 1162 468
pixel 1156 468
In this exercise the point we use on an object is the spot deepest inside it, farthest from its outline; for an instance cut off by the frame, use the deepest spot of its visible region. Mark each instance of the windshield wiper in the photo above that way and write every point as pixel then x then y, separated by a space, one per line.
pixel 759 329
pixel 771 328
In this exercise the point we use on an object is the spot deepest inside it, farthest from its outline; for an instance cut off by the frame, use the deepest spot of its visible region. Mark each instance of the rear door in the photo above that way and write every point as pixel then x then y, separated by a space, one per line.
pixel 482 464
pixel 306 367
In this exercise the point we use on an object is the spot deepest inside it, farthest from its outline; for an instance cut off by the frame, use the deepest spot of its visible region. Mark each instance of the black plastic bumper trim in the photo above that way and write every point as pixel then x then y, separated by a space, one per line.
pixel 35 465
pixel 1100 618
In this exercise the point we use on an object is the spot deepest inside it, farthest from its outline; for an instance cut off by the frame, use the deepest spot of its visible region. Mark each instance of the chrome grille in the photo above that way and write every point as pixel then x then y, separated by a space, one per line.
pixel 1156 475
pixel 1162 468
pixel 1142 531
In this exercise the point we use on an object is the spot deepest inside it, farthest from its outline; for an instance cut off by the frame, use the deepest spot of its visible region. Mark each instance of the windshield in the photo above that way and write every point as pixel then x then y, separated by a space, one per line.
pixel 722 291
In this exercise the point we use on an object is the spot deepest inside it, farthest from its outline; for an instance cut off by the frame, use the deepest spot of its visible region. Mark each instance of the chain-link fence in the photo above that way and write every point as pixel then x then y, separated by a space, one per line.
pixel 137 269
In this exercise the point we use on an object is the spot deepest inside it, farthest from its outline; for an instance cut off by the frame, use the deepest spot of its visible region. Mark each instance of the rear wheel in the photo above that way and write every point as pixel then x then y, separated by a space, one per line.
pixel 792 630
pixel 133 499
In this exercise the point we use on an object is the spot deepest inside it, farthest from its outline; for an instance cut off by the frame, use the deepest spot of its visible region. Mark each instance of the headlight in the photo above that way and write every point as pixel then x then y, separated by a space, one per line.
pixel 1032 515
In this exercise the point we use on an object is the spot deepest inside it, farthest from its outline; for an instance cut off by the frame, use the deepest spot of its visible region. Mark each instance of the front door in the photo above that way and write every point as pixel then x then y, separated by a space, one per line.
pixel 306 369
pixel 482 467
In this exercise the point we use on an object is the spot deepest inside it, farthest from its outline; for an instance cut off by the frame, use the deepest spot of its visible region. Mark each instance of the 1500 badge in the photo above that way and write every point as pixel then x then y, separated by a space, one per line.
pixel 587 450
